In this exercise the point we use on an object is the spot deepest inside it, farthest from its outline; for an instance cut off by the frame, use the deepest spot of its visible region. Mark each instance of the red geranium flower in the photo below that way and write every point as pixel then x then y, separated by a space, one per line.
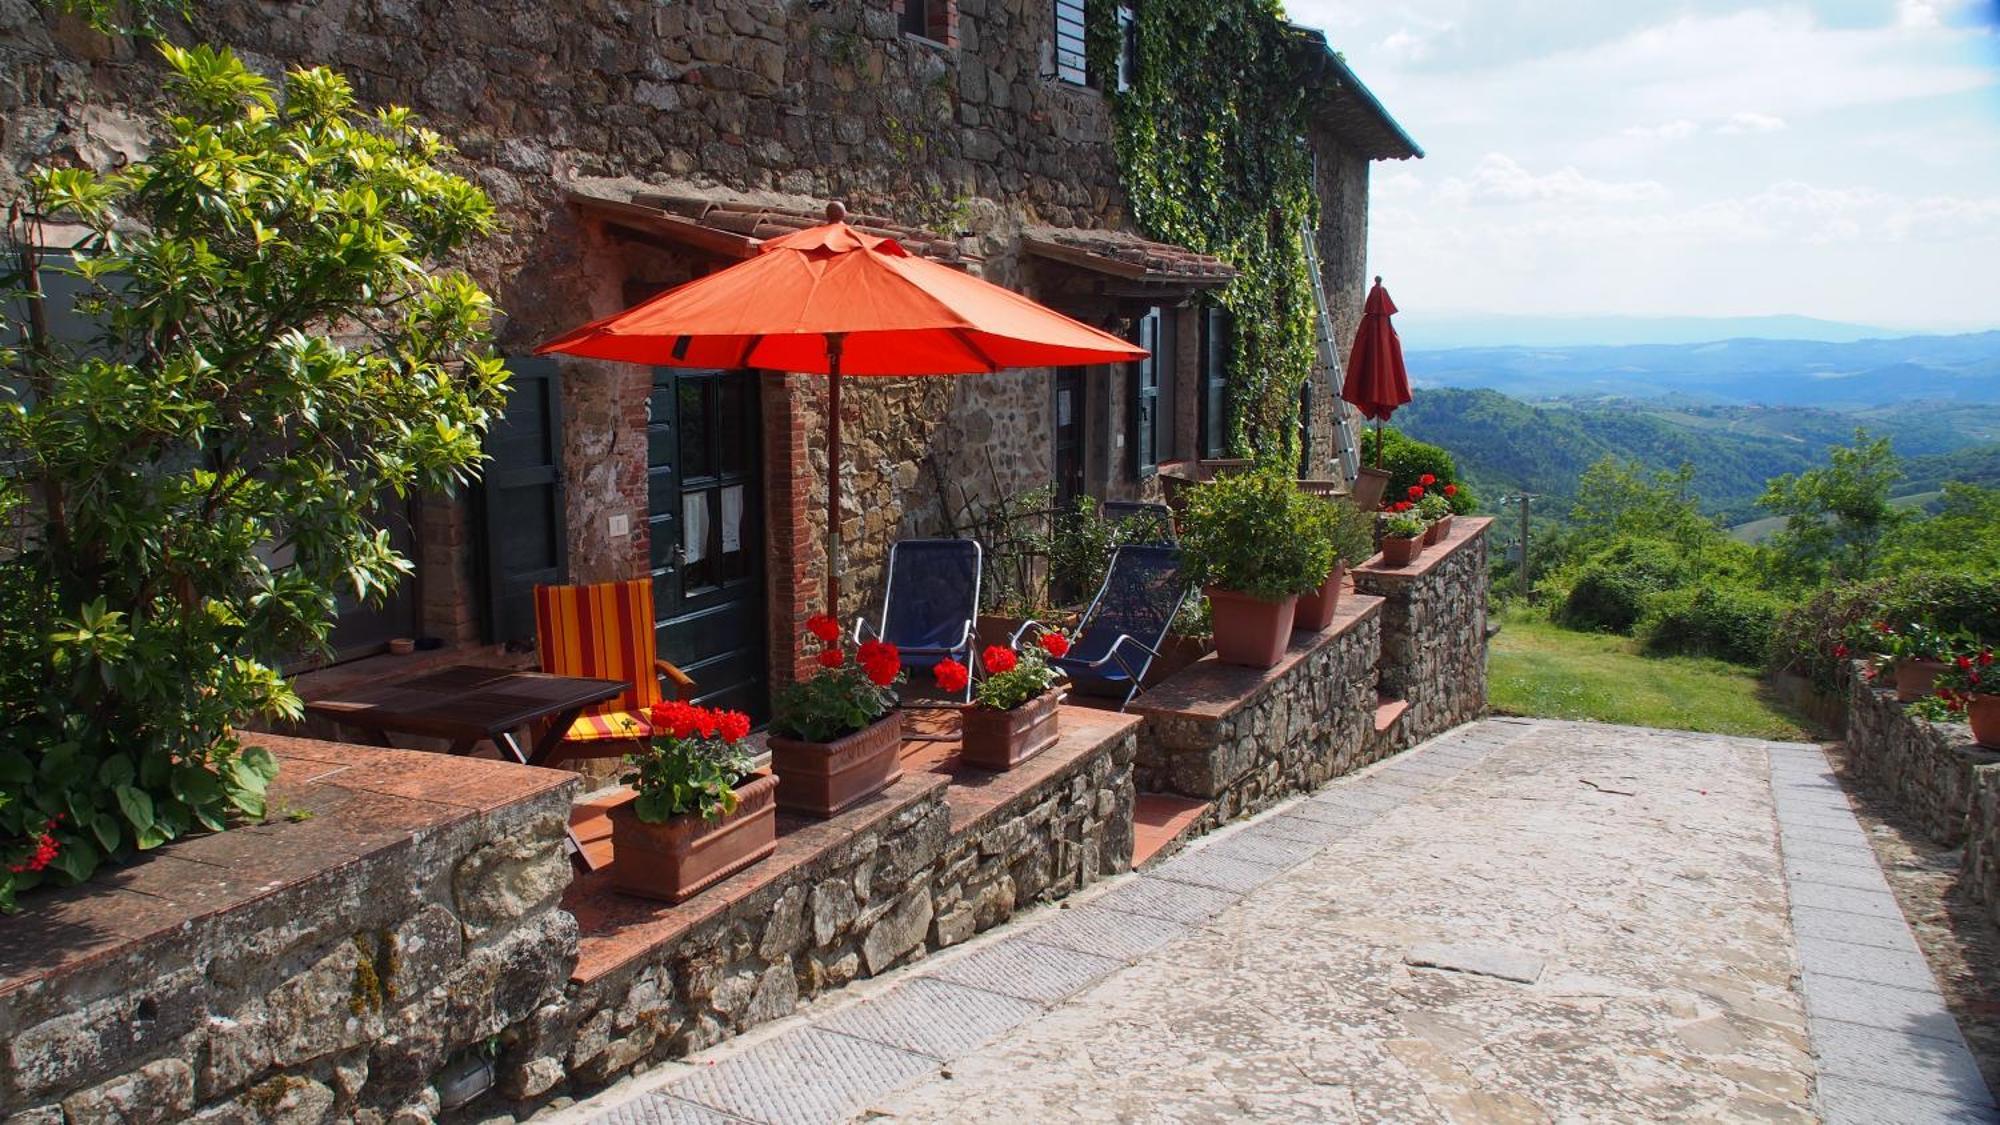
pixel 998 660
pixel 831 658
pixel 1416 492
pixel 1840 652
pixel 823 627
pixel 1427 480
pixel 1451 490
pixel 1964 662
pixel 733 725
pixel 951 676
pixel 1055 644
pixel 1986 657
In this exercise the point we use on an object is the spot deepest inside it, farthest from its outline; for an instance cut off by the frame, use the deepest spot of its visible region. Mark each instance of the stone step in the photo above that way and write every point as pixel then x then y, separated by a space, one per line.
pixel 1387 711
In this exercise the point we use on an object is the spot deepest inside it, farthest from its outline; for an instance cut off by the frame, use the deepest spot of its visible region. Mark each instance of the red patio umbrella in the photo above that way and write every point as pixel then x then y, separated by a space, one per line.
pixel 1376 382
pixel 837 300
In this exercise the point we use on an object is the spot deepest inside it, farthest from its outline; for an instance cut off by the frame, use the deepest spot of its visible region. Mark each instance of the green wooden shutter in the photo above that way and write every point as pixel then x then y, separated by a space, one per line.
pixel 1071 58
pixel 524 525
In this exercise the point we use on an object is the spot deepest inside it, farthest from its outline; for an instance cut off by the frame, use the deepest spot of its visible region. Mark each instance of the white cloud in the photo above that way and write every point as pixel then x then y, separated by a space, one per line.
pixel 1918 14
pixel 1751 123
pixel 1499 178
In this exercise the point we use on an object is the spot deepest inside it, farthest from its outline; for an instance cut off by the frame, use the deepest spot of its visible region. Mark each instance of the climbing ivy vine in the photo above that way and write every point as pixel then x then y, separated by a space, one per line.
pixel 1210 141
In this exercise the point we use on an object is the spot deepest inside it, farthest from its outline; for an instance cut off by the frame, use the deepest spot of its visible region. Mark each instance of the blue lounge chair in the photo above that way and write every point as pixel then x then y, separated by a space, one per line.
pixel 930 603
pixel 1122 630
pixel 1135 518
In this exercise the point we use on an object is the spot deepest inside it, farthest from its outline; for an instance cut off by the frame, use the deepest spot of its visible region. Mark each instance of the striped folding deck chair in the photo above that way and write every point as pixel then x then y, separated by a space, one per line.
pixel 606 631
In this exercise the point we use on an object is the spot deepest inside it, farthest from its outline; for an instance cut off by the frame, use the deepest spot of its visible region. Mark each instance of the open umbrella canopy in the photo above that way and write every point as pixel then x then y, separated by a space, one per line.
pixel 896 314
pixel 835 300
pixel 1376 382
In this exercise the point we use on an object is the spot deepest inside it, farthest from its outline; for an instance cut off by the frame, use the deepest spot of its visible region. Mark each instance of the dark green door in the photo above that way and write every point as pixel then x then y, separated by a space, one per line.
pixel 706 515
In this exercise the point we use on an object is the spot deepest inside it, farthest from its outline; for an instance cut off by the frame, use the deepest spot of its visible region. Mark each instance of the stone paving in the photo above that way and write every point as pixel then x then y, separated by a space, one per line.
pixel 1516 921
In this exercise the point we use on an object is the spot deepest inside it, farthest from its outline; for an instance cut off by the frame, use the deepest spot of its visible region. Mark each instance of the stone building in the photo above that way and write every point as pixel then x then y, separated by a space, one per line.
pixel 634 144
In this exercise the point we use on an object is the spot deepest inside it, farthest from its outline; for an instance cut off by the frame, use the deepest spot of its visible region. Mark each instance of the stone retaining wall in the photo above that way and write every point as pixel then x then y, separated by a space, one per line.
pixel 1433 632
pixel 323 966
pixel 1245 738
pixel 1934 769
pixel 848 898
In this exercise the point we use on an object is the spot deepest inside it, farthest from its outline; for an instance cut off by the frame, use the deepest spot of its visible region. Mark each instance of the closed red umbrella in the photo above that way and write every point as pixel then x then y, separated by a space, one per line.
pixel 837 300
pixel 1376 382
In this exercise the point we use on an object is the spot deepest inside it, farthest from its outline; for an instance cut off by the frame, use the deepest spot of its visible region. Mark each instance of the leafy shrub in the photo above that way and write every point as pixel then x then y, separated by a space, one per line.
pixel 277 350
pixel 1353 533
pixel 1806 637
pixel 1609 592
pixel 1255 533
pixel 1731 623
pixel 1408 461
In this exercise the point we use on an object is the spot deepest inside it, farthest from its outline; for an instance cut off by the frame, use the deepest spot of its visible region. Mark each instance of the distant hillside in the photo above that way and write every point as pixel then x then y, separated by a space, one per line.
pixel 1426 332
pixel 1505 444
pixel 1860 373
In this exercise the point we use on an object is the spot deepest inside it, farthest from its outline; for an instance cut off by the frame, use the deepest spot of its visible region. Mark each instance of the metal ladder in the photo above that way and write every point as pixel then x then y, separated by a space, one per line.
pixel 1346 448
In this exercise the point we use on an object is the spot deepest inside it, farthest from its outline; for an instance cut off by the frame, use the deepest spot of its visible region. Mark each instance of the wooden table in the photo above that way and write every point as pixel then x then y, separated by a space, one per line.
pixel 467 705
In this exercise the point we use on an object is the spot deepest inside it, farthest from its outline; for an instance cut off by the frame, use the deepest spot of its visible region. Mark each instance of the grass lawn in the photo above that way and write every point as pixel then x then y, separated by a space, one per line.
pixel 1537 669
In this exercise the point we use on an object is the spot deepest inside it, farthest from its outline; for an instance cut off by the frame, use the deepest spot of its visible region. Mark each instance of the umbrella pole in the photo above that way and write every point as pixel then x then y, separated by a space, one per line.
pixel 833 346
pixel 1378 442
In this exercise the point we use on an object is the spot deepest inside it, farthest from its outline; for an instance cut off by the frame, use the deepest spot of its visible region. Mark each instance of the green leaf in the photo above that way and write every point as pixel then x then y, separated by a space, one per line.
pixel 137 806
pixel 105 828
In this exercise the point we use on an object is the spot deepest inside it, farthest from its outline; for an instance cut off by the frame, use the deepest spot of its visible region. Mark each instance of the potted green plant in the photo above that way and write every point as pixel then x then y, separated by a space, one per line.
pixel 837 737
pixel 1913 655
pixel 1402 539
pixel 1352 533
pixel 1013 713
pixel 1972 685
pixel 1255 543
pixel 699 812
pixel 1435 510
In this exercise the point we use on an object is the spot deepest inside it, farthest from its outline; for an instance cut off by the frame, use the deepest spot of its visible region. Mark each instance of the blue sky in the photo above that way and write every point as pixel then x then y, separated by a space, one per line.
pixel 1838 159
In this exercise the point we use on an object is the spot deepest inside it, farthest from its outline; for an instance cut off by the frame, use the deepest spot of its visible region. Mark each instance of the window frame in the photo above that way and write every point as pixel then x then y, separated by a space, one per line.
pixel 1212 381
pixel 1077 73
pixel 1143 394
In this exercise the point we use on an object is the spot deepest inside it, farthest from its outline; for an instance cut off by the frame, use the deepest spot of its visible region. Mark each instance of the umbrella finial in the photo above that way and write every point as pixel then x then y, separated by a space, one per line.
pixel 836 212
pixel 1378 279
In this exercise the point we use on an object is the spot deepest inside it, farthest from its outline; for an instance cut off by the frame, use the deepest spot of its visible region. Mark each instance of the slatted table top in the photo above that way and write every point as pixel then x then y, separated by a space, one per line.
pixel 465 701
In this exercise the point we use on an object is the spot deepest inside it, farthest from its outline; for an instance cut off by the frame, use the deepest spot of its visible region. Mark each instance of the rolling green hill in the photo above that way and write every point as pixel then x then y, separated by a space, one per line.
pixel 1503 444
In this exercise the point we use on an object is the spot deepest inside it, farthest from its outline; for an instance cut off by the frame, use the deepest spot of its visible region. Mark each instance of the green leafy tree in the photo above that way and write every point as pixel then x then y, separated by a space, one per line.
pixel 279 347
pixel 1838 513
pixel 1963 534
pixel 1618 499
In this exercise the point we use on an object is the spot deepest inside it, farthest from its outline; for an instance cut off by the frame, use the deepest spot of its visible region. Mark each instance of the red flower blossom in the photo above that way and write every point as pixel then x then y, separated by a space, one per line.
pixel 951 676
pixel 1055 644
pixel 1840 652
pixel 44 854
pixel 1427 479
pixel 998 660
pixel 831 658
pixel 880 661
pixel 1963 662
pixel 823 627
pixel 734 726
pixel 1451 490
pixel 1986 657
pixel 672 717
pixel 1416 492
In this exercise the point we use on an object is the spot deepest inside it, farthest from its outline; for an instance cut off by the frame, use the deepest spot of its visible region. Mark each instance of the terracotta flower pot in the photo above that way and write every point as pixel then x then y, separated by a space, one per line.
pixel 1316 609
pixel 1435 533
pixel 1369 484
pixel 1001 740
pixel 1983 712
pixel 822 778
pixel 686 855
pixel 1250 631
pixel 1916 678
pixel 1401 551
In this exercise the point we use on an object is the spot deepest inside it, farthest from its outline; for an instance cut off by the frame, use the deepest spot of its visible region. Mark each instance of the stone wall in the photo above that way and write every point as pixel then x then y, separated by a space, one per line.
pixel 325 965
pixel 1935 770
pixel 1245 738
pixel 1433 632
pixel 1980 871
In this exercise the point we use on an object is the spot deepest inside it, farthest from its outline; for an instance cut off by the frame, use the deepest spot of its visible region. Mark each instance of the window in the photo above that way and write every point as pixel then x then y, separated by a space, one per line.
pixel 928 19
pixel 1070 54
pixel 1128 47
pixel 1214 383
pixel 1146 419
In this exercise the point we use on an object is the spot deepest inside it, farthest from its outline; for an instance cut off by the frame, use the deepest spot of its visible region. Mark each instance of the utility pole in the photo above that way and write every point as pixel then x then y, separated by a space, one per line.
pixel 1525 497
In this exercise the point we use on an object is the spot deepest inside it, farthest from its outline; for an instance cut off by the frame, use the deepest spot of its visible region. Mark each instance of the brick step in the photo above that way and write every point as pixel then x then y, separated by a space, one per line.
pixel 1387 711
pixel 1161 824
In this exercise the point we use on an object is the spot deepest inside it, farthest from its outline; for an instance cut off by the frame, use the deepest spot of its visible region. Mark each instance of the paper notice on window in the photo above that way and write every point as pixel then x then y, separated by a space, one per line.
pixel 694 526
pixel 732 519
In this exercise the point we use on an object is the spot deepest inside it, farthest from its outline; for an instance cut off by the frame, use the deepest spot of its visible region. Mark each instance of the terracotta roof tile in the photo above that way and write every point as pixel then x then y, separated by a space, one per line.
pixel 1127 255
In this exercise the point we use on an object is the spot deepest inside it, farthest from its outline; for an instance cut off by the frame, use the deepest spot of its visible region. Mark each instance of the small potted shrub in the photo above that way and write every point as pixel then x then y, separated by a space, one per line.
pixel 699 813
pixel 837 737
pixel 1972 685
pixel 1914 655
pixel 1255 542
pixel 1402 539
pixel 1013 712
pixel 1435 508
pixel 1352 533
